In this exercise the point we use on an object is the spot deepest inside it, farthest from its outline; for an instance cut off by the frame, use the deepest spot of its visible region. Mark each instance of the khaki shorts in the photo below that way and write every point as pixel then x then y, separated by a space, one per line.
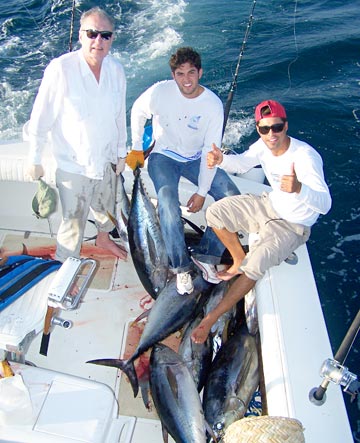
pixel 255 214
pixel 78 195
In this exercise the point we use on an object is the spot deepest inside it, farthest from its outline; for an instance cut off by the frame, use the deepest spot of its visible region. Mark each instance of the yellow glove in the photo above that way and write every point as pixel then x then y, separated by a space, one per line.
pixel 135 158
pixel 35 172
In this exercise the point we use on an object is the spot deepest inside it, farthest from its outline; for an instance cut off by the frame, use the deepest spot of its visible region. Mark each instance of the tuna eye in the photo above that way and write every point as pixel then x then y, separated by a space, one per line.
pixel 219 426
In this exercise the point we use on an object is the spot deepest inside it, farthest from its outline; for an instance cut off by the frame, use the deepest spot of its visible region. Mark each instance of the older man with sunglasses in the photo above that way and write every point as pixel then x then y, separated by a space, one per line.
pixel 282 218
pixel 81 105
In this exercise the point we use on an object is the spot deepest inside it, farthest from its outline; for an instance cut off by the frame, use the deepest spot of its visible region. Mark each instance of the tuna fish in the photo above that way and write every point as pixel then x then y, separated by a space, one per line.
pixel 251 312
pixel 175 396
pixel 232 381
pixel 147 246
pixel 122 199
pixel 122 212
pixel 169 313
pixel 219 329
pixel 197 357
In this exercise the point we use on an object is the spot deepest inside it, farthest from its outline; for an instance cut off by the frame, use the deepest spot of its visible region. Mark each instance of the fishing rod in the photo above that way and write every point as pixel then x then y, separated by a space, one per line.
pixel 72 25
pixel 234 82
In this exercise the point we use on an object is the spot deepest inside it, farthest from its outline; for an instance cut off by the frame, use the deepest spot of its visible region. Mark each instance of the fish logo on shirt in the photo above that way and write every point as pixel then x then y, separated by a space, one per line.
pixel 194 122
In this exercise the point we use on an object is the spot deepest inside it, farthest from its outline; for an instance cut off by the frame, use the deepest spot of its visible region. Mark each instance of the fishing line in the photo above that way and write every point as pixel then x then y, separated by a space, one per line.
pixel 30 15
pixel 296 47
pixel 234 82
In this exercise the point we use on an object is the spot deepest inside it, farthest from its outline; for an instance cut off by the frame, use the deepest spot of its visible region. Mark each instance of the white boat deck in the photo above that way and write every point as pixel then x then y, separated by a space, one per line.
pixel 293 333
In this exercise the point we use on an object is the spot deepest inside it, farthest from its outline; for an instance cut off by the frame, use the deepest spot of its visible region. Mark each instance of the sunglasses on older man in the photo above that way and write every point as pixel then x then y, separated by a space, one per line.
pixel 278 127
pixel 93 33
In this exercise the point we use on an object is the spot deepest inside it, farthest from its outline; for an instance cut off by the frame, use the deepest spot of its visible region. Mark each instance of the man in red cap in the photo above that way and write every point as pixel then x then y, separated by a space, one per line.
pixel 282 218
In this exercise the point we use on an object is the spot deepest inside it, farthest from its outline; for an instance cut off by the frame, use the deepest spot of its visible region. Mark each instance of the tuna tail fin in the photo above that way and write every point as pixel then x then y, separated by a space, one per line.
pixel 126 366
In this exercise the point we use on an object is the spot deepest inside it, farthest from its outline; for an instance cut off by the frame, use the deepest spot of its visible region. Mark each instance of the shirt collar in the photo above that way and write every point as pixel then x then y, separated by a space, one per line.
pixel 84 67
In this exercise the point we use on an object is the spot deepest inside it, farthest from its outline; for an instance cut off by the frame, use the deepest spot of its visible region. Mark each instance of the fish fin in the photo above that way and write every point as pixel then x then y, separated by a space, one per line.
pixel 119 231
pixel 210 432
pixel 144 388
pixel 124 218
pixel 137 171
pixel 152 247
pixel 165 434
pixel 195 227
pixel 126 203
pixel 172 382
pixel 126 366
pixel 113 219
pixel 143 315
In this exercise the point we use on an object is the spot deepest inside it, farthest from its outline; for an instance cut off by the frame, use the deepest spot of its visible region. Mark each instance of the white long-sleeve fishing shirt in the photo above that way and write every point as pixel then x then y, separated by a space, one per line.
pixel 183 128
pixel 314 197
pixel 85 119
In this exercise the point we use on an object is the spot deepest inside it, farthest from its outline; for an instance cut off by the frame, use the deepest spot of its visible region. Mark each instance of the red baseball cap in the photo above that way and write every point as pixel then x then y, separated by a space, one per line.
pixel 276 110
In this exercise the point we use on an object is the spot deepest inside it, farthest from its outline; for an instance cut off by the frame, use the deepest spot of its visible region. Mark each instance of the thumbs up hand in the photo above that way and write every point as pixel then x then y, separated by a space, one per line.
pixel 290 183
pixel 214 157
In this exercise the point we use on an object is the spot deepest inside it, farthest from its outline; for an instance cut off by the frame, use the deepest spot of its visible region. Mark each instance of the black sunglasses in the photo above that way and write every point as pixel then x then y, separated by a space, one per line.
pixel 93 33
pixel 278 127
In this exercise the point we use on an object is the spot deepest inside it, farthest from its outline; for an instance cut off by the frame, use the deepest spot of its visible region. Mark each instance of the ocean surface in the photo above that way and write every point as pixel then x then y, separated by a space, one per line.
pixel 302 53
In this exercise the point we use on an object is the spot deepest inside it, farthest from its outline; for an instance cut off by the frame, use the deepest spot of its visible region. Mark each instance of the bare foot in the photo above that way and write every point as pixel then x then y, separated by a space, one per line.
pixel 103 241
pixel 227 275
pixel 201 332
pixel 230 272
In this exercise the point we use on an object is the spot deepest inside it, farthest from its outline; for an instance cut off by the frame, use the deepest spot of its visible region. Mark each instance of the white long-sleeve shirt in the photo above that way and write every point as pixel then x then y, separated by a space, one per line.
pixel 85 119
pixel 183 128
pixel 314 197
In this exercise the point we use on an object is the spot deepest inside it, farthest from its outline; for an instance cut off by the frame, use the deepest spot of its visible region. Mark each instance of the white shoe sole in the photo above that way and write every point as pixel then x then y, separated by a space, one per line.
pixel 206 276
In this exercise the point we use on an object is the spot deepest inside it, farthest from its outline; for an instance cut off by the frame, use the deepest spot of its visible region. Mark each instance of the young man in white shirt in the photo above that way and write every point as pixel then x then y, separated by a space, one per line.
pixel 187 118
pixel 282 218
pixel 81 106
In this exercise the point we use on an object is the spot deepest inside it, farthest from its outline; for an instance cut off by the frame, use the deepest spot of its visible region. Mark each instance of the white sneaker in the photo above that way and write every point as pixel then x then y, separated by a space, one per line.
pixel 184 283
pixel 208 271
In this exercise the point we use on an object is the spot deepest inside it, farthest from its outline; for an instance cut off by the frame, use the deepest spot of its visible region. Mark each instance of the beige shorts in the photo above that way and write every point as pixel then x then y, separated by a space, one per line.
pixel 255 214
pixel 78 195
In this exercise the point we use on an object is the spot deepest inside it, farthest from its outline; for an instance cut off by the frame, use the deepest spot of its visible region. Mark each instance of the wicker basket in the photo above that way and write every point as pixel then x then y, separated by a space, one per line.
pixel 265 429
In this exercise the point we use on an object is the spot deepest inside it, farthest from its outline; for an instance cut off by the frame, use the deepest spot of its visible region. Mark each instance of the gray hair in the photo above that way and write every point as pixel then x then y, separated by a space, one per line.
pixel 97 11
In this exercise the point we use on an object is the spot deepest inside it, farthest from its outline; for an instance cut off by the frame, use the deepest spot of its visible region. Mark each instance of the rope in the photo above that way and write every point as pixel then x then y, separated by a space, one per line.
pixel 234 82
pixel 72 25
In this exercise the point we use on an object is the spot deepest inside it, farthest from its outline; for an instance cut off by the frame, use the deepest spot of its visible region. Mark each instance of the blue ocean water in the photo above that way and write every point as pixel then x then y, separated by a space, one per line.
pixel 302 53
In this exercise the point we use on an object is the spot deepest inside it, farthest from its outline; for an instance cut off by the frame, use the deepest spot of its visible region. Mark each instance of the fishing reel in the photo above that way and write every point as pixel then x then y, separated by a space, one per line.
pixel 335 372
pixel 332 371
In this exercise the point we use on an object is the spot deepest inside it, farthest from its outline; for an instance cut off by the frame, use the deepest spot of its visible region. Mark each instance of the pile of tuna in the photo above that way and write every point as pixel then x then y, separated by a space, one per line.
pixel 201 389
